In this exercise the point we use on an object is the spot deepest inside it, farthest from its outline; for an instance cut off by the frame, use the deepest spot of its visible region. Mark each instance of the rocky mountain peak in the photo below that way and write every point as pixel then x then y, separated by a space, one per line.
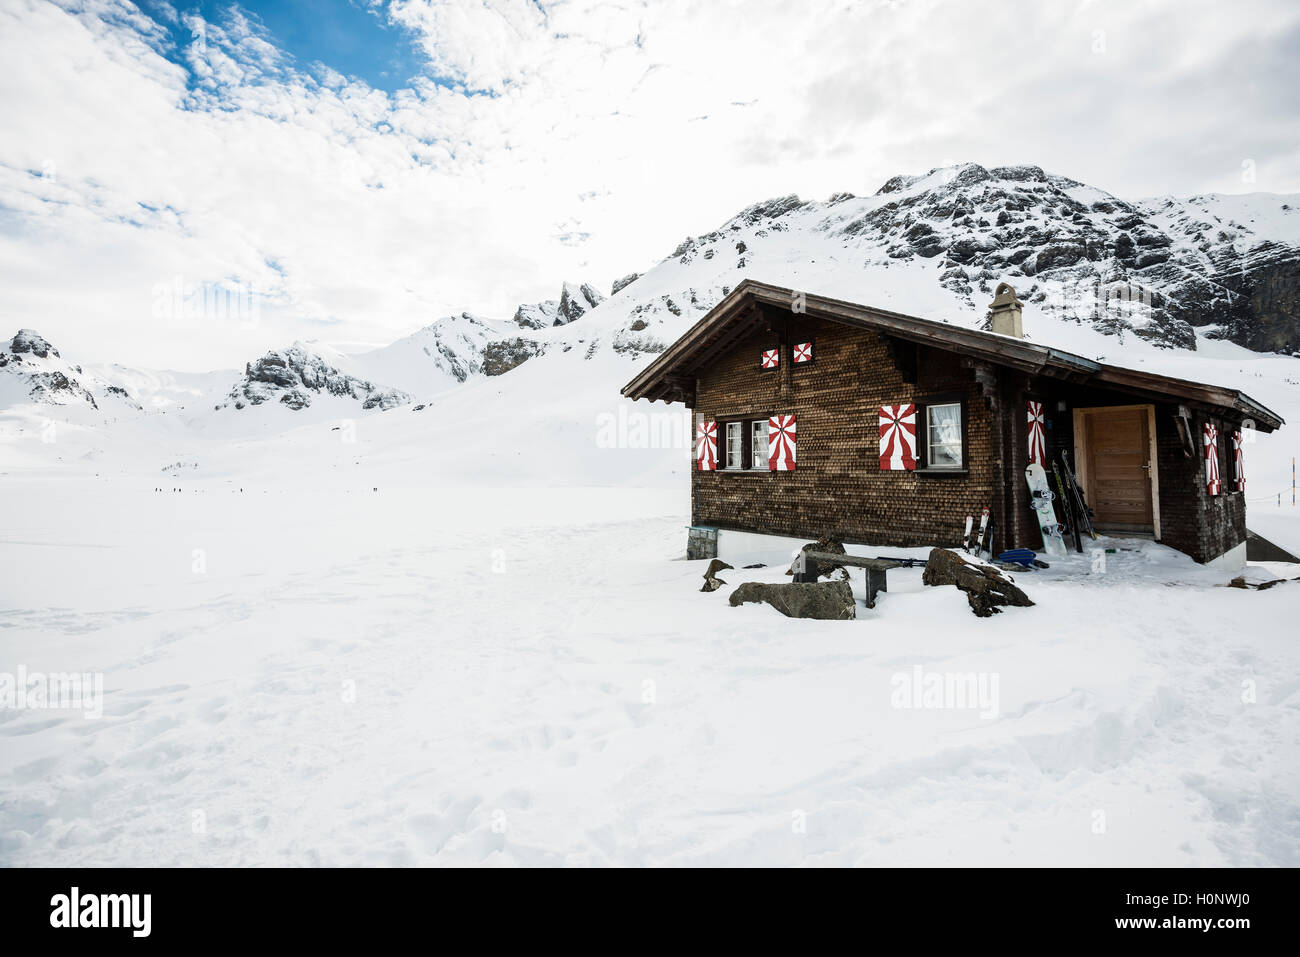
pixel 294 376
pixel 29 341
pixel 576 301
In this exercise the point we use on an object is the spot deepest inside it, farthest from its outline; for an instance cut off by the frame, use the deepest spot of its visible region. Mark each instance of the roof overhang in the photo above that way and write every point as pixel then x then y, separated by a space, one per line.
pixel 670 377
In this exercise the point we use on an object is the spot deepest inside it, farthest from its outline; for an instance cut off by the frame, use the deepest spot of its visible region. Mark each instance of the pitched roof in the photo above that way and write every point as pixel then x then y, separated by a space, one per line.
pixel 738 315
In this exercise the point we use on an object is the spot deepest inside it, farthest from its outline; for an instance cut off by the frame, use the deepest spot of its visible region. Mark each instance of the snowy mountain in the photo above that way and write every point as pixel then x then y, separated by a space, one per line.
pixel 32 370
pixel 1210 273
pixel 1160 269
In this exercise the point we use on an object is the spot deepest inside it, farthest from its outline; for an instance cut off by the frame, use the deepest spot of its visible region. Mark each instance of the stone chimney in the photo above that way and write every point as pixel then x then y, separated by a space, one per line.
pixel 1005 311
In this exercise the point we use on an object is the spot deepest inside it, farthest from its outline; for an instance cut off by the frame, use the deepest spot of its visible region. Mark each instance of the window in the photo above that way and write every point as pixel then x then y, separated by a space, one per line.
pixel 758 444
pixel 943 430
pixel 745 446
pixel 735 449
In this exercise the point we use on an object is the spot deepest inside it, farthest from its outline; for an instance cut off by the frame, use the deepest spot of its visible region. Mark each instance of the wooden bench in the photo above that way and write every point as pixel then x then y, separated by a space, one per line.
pixel 875 568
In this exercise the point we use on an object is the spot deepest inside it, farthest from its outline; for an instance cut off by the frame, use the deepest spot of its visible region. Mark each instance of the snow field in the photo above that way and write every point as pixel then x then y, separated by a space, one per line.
pixel 501 677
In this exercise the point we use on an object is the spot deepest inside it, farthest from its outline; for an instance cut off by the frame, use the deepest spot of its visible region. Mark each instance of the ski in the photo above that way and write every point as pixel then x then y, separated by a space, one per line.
pixel 1040 499
pixel 984 523
pixel 965 542
pixel 1077 493
pixel 1067 508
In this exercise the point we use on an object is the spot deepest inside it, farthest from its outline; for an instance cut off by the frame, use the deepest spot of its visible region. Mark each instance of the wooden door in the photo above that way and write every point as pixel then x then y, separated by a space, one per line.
pixel 1119 467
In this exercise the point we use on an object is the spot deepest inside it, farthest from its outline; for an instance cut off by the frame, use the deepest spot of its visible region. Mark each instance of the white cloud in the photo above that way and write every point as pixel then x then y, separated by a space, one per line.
pixel 570 140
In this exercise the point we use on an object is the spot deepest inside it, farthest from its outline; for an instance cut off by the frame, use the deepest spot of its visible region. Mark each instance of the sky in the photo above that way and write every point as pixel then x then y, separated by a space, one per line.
pixel 186 185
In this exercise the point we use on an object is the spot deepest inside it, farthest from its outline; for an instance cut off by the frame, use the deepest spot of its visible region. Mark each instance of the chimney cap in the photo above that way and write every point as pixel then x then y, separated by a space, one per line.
pixel 1005 295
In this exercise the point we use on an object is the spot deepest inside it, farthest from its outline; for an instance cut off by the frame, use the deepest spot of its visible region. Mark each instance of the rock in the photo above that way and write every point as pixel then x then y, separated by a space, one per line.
pixel 621 284
pixel 822 569
pixel 711 581
pixel 293 376
pixel 575 301
pixel 1238 582
pixel 830 601
pixel 986 588
pixel 500 357
pixel 539 315
pixel 30 341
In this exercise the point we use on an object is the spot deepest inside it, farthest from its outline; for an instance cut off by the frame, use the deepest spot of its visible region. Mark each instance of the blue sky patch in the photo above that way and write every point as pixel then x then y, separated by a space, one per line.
pixel 345 35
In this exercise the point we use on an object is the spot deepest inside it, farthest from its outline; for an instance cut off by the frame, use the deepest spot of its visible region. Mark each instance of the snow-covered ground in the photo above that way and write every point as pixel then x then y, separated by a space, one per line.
pixel 513 677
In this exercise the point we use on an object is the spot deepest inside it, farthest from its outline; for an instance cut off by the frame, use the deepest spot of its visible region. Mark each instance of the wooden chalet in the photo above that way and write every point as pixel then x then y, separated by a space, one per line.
pixel 817 417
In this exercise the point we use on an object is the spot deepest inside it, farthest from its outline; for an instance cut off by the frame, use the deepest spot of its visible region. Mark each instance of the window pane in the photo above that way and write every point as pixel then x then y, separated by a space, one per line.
pixel 758 447
pixel 734 446
pixel 944 431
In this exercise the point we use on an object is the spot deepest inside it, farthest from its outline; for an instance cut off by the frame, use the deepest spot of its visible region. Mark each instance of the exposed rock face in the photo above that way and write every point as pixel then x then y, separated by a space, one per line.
pixel 28 341
pixel 621 284
pixel 573 304
pixel 986 588
pixel 500 357
pixel 575 301
pixel 294 376
pixel 831 601
pixel 539 315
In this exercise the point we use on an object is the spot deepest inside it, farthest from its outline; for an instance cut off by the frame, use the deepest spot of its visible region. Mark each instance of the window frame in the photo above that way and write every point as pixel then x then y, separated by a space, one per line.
pixel 923 406
pixel 747 424
pixel 762 427
pixel 740 452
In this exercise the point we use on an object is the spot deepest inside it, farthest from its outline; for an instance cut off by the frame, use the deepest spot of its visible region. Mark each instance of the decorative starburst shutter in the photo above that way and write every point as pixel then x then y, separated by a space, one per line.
pixel 1037 435
pixel 1238 466
pixel 1211 435
pixel 770 359
pixel 803 352
pixel 781 443
pixel 706 446
pixel 898 437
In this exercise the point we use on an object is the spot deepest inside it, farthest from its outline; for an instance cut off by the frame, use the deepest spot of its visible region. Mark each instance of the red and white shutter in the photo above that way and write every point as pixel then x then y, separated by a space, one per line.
pixel 706 446
pixel 781 443
pixel 803 352
pixel 1211 435
pixel 898 437
pixel 1037 435
pixel 1238 466
pixel 770 359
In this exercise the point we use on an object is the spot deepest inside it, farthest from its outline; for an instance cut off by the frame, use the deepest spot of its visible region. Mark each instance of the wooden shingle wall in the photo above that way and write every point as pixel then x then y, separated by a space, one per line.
pixel 838 488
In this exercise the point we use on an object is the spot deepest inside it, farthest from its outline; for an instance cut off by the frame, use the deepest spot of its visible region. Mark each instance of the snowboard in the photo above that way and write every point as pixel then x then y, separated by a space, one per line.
pixel 1040 497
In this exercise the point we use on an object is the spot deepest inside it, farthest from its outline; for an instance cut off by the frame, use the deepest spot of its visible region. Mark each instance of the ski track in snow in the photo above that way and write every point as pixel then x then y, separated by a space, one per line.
pixel 538 680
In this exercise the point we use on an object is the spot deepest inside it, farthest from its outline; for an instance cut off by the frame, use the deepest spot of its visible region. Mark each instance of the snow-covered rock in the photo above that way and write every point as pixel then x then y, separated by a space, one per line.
pixel 621 284
pixel 442 355
pixel 538 315
pixel 294 376
pixel 575 301
pixel 31 370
